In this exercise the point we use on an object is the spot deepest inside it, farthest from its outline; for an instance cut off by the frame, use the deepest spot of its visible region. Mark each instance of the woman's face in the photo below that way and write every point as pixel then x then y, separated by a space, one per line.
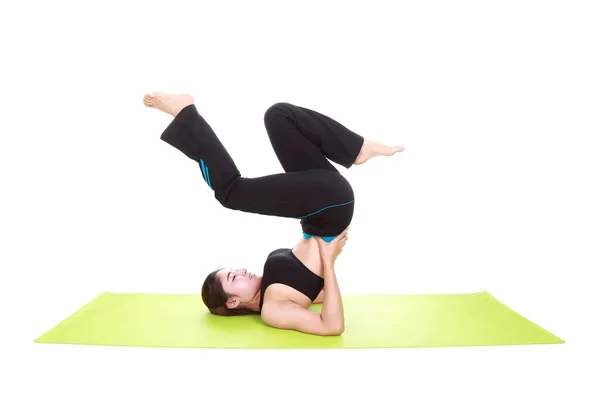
pixel 240 284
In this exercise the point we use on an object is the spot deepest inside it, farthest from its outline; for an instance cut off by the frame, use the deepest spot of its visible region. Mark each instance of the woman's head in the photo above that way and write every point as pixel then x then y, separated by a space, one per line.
pixel 229 292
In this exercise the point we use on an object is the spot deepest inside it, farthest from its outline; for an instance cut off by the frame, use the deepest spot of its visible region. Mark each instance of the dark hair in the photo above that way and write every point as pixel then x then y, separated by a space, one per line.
pixel 215 297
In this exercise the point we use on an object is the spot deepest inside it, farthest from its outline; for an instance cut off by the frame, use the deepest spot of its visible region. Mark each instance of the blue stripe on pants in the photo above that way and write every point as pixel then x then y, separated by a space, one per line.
pixel 205 173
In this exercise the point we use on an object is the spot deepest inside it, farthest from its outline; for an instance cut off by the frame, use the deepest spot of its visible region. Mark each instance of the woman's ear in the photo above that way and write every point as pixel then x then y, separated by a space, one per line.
pixel 232 303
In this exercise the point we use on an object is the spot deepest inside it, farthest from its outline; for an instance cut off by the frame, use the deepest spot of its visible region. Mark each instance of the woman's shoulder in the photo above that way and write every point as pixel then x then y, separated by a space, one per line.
pixel 279 300
pixel 281 294
pixel 289 315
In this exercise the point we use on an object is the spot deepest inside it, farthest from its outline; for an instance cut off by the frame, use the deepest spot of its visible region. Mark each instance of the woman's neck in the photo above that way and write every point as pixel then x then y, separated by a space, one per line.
pixel 254 304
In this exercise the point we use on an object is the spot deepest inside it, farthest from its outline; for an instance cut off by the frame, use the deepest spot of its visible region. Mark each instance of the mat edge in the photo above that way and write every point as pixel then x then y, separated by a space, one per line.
pixel 40 338
pixel 560 340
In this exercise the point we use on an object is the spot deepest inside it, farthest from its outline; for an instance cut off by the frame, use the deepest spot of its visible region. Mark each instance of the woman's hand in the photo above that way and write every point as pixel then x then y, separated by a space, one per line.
pixel 330 251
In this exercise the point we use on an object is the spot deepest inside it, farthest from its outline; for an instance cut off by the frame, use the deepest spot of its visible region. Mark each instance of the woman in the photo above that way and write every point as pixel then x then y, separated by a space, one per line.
pixel 311 190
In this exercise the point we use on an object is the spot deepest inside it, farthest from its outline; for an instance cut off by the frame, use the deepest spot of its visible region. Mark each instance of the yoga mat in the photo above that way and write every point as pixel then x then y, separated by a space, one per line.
pixel 372 321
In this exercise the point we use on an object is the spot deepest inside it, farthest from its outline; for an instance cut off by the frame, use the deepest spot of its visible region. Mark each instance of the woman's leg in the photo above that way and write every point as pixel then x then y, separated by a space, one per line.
pixel 316 197
pixel 304 139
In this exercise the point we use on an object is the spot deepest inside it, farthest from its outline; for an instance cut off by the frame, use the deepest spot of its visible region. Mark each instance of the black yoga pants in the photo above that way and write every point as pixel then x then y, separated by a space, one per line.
pixel 311 189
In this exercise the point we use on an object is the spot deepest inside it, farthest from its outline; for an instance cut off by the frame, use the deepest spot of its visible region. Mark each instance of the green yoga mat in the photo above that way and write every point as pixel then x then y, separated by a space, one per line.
pixel 372 321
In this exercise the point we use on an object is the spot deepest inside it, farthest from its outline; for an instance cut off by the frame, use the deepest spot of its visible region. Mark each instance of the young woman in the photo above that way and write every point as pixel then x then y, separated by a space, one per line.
pixel 311 190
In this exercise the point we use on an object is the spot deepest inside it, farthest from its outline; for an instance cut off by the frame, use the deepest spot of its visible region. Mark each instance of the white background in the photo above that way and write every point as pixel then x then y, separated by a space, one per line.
pixel 496 103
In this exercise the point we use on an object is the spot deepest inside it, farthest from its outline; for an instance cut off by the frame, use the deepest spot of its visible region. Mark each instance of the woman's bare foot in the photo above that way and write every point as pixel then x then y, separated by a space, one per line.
pixel 169 103
pixel 372 149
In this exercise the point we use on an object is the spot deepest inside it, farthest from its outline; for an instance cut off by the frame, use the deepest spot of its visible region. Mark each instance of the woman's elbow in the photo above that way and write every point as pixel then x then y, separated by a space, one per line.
pixel 336 331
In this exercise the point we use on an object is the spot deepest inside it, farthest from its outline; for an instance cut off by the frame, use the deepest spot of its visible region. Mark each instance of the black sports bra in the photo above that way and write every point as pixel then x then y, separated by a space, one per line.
pixel 282 266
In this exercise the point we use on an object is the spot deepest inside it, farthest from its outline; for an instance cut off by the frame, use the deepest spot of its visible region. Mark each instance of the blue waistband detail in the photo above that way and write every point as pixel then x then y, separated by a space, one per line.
pixel 325 238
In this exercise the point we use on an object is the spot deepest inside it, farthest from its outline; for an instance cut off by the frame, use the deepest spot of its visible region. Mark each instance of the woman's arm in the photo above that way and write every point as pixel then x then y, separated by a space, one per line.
pixel 333 309
pixel 288 315
pixel 330 321
pixel 319 298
